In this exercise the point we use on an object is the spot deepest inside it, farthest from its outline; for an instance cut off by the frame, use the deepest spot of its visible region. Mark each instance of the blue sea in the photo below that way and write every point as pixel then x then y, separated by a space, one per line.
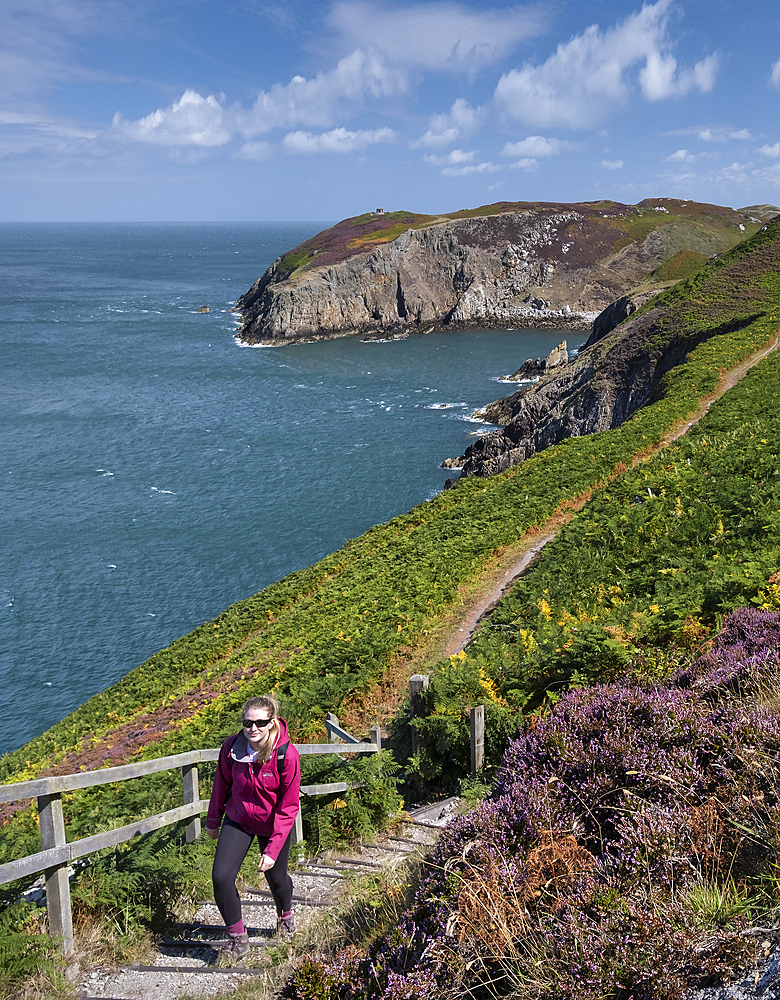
pixel 153 470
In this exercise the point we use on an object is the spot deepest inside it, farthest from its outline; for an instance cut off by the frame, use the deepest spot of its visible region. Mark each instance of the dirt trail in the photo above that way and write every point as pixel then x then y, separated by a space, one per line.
pixel 510 567
pixel 479 610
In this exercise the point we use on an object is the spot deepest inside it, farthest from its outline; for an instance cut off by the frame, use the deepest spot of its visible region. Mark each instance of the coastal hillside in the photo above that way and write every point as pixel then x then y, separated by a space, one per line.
pixel 507 265
pixel 622 370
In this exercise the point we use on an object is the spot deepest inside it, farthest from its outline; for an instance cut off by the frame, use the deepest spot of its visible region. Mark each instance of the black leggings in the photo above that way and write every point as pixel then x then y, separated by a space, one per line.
pixel 232 848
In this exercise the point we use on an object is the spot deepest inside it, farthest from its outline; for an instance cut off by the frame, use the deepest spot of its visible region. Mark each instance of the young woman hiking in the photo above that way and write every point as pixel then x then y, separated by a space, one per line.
pixel 256 789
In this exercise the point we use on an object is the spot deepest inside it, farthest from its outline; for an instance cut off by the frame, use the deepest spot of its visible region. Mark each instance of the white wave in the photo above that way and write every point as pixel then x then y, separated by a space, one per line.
pixel 475 420
pixel 243 343
pixel 444 406
pixel 503 380
pixel 170 492
pixel 111 565
pixel 107 474
pixel 47 684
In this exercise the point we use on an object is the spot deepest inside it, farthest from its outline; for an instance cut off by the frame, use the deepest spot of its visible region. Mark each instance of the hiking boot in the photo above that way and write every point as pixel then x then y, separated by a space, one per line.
pixel 285 926
pixel 238 945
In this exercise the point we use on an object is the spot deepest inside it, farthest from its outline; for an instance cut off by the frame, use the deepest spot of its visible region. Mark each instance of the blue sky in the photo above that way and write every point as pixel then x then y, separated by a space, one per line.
pixel 250 110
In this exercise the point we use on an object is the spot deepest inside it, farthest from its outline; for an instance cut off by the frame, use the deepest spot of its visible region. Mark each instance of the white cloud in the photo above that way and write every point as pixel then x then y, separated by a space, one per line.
pixel 588 76
pixel 681 156
pixel 528 164
pixel 535 145
pixel 612 164
pixel 774 76
pixel 338 140
pixel 768 175
pixel 257 151
pixel 206 121
pixel 316 101
pixel 455 156
pixel 722 134
pixel 472 168
pixel 447 127
pixel 734 173
pixel 660 77
pixel 773 151
pixel 191 121
pixel 436 35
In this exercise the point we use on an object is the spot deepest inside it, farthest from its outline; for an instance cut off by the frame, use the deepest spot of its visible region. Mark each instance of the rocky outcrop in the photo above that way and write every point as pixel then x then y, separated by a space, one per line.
pixel 535 369
pixel 545 267
pixel 596 391
pixel 471 272
pixel 616 312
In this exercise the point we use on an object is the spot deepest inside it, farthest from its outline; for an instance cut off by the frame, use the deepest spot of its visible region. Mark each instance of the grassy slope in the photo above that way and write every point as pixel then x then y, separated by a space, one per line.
pixel 327 634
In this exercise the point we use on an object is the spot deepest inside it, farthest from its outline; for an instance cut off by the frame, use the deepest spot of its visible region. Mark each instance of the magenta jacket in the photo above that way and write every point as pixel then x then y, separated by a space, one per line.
pixel 255 795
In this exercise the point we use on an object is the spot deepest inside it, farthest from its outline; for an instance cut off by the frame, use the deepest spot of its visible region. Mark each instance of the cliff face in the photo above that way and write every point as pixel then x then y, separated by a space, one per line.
pixel 549 267
pixel 596 391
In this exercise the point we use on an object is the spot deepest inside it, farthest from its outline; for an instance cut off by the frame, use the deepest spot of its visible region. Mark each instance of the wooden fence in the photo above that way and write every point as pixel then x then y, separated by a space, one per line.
pixel 57 854
pixel 419 683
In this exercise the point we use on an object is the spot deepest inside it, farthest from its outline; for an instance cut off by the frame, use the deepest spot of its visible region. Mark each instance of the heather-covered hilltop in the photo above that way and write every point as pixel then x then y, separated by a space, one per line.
pixel 512 264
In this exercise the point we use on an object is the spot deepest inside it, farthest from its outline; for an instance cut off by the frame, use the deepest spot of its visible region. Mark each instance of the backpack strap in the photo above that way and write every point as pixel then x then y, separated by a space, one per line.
pixel 230 750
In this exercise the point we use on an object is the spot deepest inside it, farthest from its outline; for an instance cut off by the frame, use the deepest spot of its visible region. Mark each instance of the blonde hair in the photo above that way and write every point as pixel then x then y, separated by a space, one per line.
pixel 271 705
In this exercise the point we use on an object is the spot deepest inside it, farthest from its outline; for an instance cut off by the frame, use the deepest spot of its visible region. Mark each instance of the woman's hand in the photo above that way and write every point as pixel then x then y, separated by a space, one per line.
pixel 266 863
pixel 212 833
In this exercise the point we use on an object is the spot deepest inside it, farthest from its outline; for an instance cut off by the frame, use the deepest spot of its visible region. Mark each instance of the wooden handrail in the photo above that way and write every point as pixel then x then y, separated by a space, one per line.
pixel 101 776
pixel 105 775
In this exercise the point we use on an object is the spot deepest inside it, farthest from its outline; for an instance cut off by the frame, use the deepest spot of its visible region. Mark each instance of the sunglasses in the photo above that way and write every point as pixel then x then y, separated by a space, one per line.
pixel 260 723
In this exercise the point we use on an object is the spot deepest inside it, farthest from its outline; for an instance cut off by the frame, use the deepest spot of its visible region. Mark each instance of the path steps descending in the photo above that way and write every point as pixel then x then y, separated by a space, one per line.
pixel 188 963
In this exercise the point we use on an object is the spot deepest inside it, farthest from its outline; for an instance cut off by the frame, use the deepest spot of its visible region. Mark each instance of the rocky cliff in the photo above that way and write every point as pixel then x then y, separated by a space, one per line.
pixel 597 390
pixel 512 265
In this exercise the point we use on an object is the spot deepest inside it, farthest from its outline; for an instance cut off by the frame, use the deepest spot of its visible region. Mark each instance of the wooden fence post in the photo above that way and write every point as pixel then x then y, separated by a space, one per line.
pixel 417 684
pixel 376 737
pixel 57 884
pixel 334 720
pixel 477 739
pixel 189 777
